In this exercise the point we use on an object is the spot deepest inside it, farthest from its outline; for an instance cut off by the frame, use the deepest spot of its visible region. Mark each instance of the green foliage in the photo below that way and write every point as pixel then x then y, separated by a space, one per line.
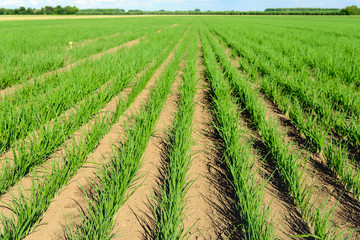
pixel 288 163
pixel 115 178
pixel 301 9
pixel 249 193
pixel 47 10
pixel 22 59
pixel 134 11
pixel 315 99
pixel 38 148
pixel 169 208
pixel 101 11
pixel 308 67
pixel 351 10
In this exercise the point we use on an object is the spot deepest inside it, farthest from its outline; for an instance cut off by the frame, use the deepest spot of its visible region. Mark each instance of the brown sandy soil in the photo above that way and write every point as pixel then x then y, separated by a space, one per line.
pixel 71 198
pixel 133 220
pixel 85 42
pixel 207 205
pixel 12 89
pixel 159 31
pixel 9 154
pixel 326 187
pixel 211 206
pixel 284 214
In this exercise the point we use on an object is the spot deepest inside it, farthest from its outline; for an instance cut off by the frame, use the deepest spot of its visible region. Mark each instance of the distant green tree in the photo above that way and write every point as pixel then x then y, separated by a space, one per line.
pixel 22 10
pixel 59 10
pixel 70 10
pixel 301 9
pixel 48 10
pixel 30 11
pixel 350 10
pixel 134 11
pixel 197 10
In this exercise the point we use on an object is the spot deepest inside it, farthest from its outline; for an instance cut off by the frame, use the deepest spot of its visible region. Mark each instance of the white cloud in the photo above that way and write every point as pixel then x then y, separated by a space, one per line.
pixel 12 2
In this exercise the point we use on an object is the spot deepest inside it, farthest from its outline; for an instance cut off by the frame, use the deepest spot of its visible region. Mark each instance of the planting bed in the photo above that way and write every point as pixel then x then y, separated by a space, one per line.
pixel 180 128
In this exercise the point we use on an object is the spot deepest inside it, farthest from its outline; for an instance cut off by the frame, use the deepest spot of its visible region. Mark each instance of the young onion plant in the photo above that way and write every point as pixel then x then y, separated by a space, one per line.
pixel 32 50
pixel 326 103
pixel 170 204
pixel 28 208
pixel 249 193
pixel 288 163
pixel 114 179
pixel 312 125
pixel 39 145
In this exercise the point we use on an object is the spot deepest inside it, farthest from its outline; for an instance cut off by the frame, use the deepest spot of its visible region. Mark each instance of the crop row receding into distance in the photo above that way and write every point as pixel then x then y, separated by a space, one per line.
pixel 180 127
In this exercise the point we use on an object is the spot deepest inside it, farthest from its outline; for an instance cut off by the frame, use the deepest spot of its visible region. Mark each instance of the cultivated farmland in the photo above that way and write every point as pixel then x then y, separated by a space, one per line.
pixel 180 128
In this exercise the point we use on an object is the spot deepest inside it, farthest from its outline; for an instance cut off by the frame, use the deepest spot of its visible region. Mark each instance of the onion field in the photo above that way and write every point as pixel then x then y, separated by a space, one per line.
pixel 191 127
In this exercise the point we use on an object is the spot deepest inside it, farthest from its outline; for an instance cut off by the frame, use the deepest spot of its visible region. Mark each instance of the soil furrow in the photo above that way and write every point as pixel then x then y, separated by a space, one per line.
pixel 108 108
pixel 159 31
pixel 207 211
pixel 286 217
pixel 88 41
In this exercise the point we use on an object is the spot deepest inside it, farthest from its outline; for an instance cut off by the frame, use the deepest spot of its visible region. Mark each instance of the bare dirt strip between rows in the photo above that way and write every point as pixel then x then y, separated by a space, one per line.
pixel 211 198
pixel 284 214
pixel 159 31
pixel 109 107
pixel 85 42
pixel 209 212
pixel 71 199
pixel 134 220
pixel 12 89
pixel 326 186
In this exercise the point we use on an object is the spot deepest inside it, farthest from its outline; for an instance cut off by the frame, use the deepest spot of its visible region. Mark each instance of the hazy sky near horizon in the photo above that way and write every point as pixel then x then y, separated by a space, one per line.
pixel 181 4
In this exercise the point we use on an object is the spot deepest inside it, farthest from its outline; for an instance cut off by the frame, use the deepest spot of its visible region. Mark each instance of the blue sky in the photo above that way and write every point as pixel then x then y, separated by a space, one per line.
pixel 182 4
